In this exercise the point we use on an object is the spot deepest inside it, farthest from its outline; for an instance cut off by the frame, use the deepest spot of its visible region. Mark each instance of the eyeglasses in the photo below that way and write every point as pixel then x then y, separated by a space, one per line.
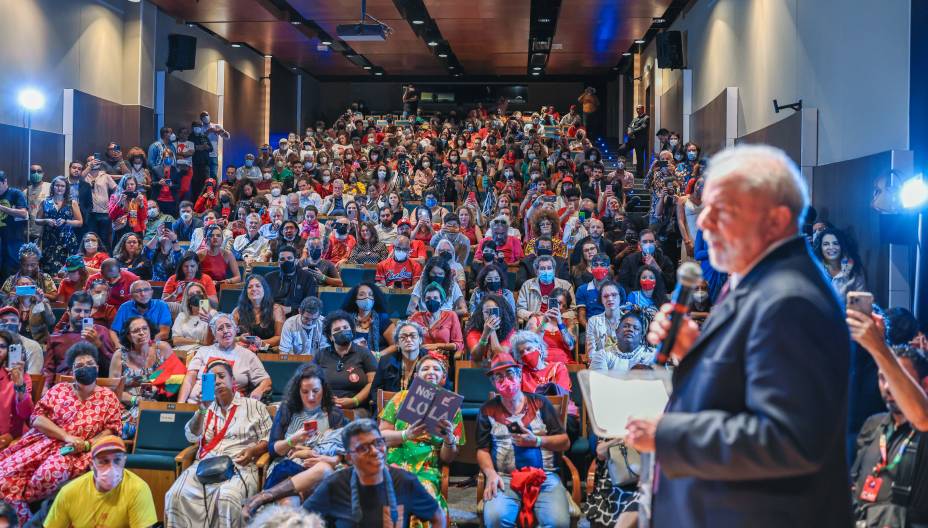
pixel 82 365
pixel 409 336
pixel 142 290
pixel 377 444
pixel 510 374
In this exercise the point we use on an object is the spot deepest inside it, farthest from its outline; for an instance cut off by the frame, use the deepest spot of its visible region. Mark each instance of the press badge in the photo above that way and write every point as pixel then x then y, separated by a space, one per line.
pixel 871 488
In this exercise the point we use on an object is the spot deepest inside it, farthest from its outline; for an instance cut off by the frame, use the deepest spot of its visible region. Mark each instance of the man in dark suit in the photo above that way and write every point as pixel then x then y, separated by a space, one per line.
pixel 753 434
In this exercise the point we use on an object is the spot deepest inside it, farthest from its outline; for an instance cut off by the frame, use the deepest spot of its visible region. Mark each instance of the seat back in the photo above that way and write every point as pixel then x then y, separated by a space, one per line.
pixel 332 298
pixel 397 301
pixel 161 427
pixel 228 299
pixel 472 382
pixel 113 384
pixel 263 269
pixel 354 274
pixel 38 383
pixel 382 398
pixel 560 405
pixel 281 367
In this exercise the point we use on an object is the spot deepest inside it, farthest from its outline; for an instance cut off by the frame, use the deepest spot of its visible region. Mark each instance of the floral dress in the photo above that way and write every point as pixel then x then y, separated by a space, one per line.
pixel 421 458
pixel 58 243
pixel 130 415
pixel 33 468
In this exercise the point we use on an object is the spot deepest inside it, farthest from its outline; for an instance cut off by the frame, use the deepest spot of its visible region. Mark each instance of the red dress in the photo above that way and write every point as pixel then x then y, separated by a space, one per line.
pixel 214 266
pixel 31 469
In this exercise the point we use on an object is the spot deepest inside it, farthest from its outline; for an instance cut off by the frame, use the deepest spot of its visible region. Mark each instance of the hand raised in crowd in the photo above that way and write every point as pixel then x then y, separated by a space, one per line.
pixel 16 373
pixel 686 336
pixel 492 325
pixel 867 330
pixel 641 434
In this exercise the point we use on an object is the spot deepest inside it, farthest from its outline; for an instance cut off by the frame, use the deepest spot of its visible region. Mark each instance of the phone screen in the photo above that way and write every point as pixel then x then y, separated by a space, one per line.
pixel 494 312
pixel 860 301
pixel 311 427
pixel 25 291
pixel 87 323
pixel 208 393
pixel 204 305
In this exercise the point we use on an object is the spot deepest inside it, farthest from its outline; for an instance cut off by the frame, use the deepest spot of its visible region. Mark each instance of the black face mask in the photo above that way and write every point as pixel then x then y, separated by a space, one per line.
pixel 488 256
pixel 432 305
pixel 315 253
pixel 85 375
pixel 493 286
pixel 194 300
pixel 446 255
pixel 542 251
pixel 343 338
pixel 143 306
pixel 341 229
pixel 287 267
pixel 437 278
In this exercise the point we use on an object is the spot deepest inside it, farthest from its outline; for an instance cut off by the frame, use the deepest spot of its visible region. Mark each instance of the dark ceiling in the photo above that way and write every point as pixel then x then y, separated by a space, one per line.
pixel 532 39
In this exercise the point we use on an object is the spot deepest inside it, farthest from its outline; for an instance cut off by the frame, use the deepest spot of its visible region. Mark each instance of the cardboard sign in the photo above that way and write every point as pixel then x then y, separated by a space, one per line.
pixel 425 401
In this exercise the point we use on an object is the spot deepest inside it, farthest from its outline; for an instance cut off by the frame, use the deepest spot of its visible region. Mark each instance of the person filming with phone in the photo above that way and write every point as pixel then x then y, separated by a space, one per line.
pixel 756 421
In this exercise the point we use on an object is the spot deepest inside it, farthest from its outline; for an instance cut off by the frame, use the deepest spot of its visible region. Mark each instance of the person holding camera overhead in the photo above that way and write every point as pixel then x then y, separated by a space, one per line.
pixel 128 208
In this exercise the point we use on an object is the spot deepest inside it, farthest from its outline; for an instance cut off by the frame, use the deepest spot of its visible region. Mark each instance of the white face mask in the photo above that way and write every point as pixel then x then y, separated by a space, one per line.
pixel 186 216
pixel 381 174
pixel 275 192
pixel 90 245
pixel 108 479
pixel 99 299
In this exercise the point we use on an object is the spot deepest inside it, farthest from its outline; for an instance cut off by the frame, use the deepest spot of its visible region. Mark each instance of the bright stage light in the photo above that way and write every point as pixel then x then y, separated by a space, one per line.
pixel 31 99
pixel 914 192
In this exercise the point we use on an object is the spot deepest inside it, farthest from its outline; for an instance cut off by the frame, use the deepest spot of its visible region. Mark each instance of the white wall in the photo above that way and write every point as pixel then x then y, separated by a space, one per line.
pixel 847 58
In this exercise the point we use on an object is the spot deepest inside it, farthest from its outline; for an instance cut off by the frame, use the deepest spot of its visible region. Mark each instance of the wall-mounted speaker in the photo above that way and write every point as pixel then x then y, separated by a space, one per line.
pixel 670 50
pixel 182 52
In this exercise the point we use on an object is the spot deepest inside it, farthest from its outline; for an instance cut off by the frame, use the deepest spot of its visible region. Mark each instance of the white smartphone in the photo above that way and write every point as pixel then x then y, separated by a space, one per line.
pixel 15 354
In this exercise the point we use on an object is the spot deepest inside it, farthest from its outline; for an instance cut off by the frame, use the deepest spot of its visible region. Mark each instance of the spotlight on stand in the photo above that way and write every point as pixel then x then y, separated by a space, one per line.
pixel 30 100
pixel 914 193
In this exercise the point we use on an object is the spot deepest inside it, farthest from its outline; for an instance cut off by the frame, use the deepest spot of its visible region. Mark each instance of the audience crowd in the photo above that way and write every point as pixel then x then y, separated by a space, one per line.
pixel 387 250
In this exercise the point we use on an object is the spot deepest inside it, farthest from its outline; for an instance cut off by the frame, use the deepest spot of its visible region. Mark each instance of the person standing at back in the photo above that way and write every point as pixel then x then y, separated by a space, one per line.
pixel 589 104
pixel 753 434
pixel 13 213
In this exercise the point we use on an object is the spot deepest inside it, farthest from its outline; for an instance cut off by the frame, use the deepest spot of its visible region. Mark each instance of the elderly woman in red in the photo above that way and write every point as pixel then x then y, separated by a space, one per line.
pixel 68 418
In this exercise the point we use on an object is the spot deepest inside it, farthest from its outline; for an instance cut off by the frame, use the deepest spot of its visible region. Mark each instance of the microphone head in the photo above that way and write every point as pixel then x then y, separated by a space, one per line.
pixel 689 274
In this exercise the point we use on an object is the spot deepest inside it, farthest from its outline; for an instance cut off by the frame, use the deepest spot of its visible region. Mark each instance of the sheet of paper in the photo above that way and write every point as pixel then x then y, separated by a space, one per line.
pixel 612 401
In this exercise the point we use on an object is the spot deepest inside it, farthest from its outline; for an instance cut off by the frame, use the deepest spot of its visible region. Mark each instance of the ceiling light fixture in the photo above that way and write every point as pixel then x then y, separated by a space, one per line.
pixel 627 54
pixel 367 67
pixel 536 73
pixel 236 44
pixel 433 43
pixel 418 21
pixel 295 22
pixel 443 55
pixel 537 68
pixel 639 41
pixel 658 20
pixel 326 42
pixel 378 73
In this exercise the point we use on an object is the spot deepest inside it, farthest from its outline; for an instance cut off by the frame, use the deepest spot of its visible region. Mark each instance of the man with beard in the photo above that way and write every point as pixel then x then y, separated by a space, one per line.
pixel 289 285
pixel 386 230
pixel 79 308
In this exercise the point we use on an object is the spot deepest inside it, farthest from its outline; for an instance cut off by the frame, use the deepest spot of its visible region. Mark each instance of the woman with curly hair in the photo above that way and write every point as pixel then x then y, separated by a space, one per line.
pixel 545 222
pixel 840 259
pixel 29 257
pixel 258 317
pixel 367 303
pixel 490 328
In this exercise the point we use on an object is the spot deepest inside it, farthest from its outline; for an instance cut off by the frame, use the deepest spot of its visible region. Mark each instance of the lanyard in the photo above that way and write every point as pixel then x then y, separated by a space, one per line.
pixel 884 439
pixel 217 436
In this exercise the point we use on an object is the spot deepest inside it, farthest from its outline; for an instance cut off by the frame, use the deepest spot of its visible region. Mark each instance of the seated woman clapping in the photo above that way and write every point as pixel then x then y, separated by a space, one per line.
pixel 305 443
pixel 411 446
pixel 64 423
pixel 234 427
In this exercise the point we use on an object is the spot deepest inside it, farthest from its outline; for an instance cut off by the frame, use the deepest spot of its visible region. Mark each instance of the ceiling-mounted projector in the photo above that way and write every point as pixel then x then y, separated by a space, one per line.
pixel 361 32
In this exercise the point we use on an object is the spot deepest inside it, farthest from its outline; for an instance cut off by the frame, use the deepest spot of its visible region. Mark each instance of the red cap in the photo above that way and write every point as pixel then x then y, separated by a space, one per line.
pixel 502 361
pixel 107 443
pixel 567 179
pixel 9 310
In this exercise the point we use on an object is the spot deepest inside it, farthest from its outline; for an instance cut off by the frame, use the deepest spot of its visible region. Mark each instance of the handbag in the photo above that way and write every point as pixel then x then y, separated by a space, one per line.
pixel 624 465
pixel 214 470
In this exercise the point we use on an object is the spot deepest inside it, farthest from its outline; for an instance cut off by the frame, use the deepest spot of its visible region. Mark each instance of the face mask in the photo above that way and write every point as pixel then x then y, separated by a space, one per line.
pixel 432 305
pixel 172 138
pixel 108 479
pixel 249 162
pixel 531 359
pixel 488 256
pixel 437 278
pixel 493 285
pixel 507 388
pixel 454 159
pixel 674 142
pixel 152 213
pixel 542 251
pixel 341 229
pixel 599 273
pixel 315 253
pixel 197 130
pixel 446 255
pixel 137 165
pixel 691 156
pixel 531 155
pixel 90 245
pixel 288 267
pixel 35 177
pixel 431 202
pixel 382 174
pixel 194 300
pixel 620 165
pixel 399 255
pixel 648 284
pixel 678 156
pixel 507 174
pixel 85 375
pixel 326 178
pixel 700 296
pixel 647 248
pixel 280 164
pixel 546 276
pixel 99 299
pixel 168 161
pixel 343 338
pixel 205 120
pixel 275 192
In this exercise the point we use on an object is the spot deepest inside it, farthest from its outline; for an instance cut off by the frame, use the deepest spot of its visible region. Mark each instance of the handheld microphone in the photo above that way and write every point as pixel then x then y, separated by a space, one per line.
pixel 688 276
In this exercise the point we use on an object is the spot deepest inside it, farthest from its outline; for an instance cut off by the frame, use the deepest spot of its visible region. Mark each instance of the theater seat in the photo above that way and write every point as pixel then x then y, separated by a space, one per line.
pixel 397 301
pixel 228 299
pixel 472 383
pixel 281 367
pixel 264 269
pixel 332 298
pixel 354 274
pixel 159 437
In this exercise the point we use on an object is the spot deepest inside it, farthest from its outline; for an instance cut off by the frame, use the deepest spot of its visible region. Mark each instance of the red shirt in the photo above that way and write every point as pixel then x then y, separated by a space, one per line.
pixel 389 272
pixel 339 249
pixel 96 260
pixel 119 290
pixel 446 330
pixel 173 285
pixel 512 249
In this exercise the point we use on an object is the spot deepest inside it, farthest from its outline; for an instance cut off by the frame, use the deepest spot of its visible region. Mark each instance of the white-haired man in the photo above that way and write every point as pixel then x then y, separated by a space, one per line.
pixel 754 431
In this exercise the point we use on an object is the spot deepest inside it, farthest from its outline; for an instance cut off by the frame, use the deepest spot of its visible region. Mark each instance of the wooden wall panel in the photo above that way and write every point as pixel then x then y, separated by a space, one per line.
pixel 842 194
pixel 707 125
pixel 785 134
pixel 242 116
pixel 672 106
pixel 98 121
pixel 183 102
pixel 47 149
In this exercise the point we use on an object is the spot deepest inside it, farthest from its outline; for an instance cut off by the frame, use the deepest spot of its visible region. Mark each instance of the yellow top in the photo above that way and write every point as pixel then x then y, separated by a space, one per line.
pixel 80 505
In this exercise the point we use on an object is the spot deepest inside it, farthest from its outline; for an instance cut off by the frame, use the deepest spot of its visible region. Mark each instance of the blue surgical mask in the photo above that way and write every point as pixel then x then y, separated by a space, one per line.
pixel 647 248
pixel 249 162
pixel 431 202
pixel 365 305
pixel 691 156
pixel 546 276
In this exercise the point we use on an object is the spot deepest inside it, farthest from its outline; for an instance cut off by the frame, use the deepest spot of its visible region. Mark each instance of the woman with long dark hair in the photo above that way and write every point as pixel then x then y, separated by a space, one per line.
pixel 367 303
pixel 128 252
pixel 187 271
pixel 61 216
pixel 258 317
pixel 305 431
pixel 438 270
pixel 840 259
pixel 650 293
pixel 490 328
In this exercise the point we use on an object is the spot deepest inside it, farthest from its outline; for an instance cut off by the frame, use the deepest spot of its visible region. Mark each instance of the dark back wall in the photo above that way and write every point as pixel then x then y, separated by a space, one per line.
pixel 98 121
pixel 283 100
pixel 241 116
pixel 183 102
pixel 47 150
pixel 707 125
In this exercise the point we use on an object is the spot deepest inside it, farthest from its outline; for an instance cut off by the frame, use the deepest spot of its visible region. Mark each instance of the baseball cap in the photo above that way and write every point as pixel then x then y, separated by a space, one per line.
pixel 107 443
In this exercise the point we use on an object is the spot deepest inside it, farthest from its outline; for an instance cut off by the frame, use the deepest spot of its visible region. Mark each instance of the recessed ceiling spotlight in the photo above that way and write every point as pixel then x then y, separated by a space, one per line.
pixel 536 73
pixel 443 55
pixel 236 44
pixel 418 21
pixel 537 68
pixel 627 54
pixel 295 22
pixel 433 43
pixel 326 42
pixel 378 73
pixel 544 20
pixel 367 67
pixel 639 41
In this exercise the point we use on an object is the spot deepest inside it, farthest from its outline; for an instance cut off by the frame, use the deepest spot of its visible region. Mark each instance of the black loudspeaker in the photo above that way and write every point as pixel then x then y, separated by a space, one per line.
pixel 182 52
pixel 670 50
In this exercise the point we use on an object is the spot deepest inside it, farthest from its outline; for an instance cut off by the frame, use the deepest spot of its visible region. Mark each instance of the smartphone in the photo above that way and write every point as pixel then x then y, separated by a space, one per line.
pixel 66 450
pixel 860 301
pixel 609 188
pixel 553 302
pixel 14 354
pixel 581 215
pixel 515 428
pixel 494 312
pixel 472 196
pixel 97 156
pixel 662 164
pixel 208 393
pixel 311 427
pixel 204 305
pixel 25 291
pixel 87 323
